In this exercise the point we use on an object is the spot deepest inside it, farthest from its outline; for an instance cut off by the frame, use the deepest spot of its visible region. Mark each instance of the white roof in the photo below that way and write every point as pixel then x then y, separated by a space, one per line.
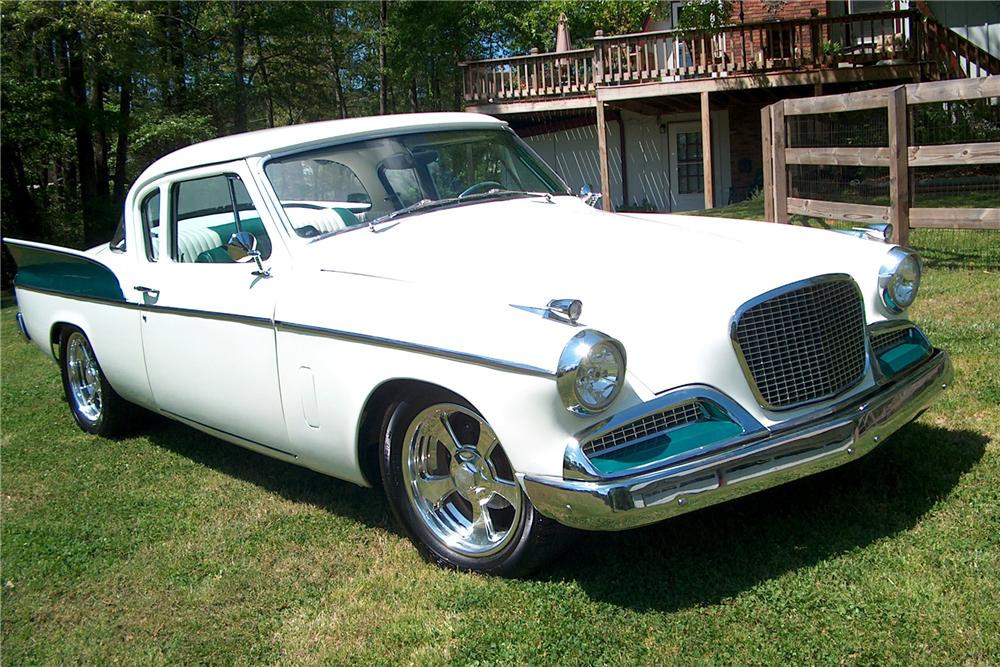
pixel 264 142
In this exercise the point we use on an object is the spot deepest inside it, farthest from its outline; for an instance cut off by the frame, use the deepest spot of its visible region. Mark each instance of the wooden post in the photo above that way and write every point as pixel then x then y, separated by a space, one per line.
pixel 767 149
pixel 778 160
pixel 899 171
pixel 602 156
pixel 706 150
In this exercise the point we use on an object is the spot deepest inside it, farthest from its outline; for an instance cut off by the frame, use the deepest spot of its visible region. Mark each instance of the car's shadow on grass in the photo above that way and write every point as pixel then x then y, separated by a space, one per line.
pixel 292 482
pixel 695 559
pixel 712 554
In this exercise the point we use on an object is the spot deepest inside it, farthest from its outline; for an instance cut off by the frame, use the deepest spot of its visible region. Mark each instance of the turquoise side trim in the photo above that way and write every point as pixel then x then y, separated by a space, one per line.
pixel 65 273
pixel 675 441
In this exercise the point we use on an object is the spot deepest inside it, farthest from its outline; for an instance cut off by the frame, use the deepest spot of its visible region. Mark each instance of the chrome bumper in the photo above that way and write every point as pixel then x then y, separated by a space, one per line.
pixel 754 464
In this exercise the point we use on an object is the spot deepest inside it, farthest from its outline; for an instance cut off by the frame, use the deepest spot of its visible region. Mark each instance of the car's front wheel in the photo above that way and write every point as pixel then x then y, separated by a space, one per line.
pixel 96 407
pixel 452 487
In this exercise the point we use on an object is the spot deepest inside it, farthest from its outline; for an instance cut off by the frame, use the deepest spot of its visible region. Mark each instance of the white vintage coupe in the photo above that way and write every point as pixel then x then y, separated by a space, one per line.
pixel 420 302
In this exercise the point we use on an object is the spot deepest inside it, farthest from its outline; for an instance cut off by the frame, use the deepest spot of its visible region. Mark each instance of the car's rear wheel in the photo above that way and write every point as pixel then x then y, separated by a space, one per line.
pixel 96 407
pixel 453 488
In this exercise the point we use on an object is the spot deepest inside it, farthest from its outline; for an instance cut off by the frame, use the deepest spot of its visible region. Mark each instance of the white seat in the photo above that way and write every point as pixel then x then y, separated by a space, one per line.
pixel 192 242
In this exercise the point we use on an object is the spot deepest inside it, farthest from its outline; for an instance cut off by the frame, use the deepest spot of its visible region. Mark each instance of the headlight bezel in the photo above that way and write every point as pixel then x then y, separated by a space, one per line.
pixel 889 279
pixel 573 359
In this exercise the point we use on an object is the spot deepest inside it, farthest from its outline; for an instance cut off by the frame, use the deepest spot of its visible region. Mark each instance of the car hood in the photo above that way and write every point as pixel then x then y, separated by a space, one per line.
pixel 661 284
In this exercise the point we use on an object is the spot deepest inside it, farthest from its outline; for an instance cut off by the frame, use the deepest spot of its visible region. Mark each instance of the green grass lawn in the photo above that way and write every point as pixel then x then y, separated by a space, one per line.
pixel 174 547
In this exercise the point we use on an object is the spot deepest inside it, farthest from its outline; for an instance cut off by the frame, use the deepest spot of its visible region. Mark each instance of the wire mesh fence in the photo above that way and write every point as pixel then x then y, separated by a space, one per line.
pixel 960 186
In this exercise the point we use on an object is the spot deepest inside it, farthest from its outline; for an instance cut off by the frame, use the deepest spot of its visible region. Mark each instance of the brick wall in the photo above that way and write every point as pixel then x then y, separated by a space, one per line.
pixel 756 10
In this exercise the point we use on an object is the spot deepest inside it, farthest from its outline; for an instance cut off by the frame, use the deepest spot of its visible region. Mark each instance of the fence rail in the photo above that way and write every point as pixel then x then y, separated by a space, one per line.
pixel 899 156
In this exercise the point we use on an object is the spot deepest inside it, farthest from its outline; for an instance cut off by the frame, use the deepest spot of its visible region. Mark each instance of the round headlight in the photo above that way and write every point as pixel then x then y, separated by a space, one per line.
pixel 899 279
pixel 591 372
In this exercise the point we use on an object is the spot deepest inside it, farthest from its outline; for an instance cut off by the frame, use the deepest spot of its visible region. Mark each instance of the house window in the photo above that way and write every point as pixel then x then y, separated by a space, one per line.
pixel 690 168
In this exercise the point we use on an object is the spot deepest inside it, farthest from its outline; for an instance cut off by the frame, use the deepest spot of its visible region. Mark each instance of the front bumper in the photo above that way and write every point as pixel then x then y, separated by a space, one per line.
pixel 783 453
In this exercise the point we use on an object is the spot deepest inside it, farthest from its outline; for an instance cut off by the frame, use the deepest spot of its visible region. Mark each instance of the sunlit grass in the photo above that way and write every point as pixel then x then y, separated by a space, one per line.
pixel 174 547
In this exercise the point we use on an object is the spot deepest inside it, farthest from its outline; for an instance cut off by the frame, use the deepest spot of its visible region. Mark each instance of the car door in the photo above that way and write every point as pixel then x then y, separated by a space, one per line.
pixel 207 322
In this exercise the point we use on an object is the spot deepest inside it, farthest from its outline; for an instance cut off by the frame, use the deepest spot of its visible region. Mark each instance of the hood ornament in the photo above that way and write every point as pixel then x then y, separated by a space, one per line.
pixel 567 311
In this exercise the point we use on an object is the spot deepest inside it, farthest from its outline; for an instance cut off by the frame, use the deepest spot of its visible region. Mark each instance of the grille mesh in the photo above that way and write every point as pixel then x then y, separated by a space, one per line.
pixel 884 341
pixel 650 425
pixel 805 344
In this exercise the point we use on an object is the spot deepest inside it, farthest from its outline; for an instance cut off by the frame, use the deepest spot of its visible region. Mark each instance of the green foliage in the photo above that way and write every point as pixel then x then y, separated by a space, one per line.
pixel 704 16
pixel 156 75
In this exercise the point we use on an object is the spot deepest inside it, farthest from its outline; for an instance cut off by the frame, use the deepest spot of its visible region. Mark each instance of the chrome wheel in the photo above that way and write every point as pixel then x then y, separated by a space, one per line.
pixel 84 377
pixel 459 480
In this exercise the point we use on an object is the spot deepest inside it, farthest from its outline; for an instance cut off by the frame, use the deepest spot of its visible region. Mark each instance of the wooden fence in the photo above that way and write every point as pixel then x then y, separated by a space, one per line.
pixel 899 156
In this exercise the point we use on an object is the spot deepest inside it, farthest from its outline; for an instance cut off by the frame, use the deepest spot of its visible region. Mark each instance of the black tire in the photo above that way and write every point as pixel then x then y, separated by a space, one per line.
pixel 109 415
pixel 531 540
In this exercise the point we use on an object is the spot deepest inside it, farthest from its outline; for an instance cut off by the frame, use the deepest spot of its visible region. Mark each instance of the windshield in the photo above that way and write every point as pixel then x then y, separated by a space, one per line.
pixel 341 187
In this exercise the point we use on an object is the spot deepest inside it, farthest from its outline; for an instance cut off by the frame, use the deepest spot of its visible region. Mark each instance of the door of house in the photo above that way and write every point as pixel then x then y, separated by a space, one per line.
pixel 687 168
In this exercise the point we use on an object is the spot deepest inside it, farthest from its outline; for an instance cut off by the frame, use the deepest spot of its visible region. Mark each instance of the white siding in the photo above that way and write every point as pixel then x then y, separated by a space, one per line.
pixel 573 154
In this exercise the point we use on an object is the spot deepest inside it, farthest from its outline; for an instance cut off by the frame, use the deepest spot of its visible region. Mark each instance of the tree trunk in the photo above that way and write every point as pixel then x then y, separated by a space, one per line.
pixel 341 102
pixel 86 171
pixel 17 202
pixel 414 106
pixel 121 148
pixel 103 157
pixel 383 82
pixel 239 78
pixel 268 95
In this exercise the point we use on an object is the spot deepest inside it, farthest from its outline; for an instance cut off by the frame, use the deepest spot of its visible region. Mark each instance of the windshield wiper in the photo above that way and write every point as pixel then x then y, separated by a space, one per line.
pixel 502 192
pixel 428 204
pixel 421 205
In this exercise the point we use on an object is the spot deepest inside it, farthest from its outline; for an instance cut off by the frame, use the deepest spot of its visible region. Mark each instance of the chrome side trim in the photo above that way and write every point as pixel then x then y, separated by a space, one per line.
pixel 747 467
pixel 200 425
pixel 577 466
pixel 210 315
pixel 77 297
pixel 464 357
pixel 766 296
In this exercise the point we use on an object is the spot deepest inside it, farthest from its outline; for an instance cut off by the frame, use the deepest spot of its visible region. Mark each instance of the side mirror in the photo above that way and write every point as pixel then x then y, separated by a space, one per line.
pixel 242 247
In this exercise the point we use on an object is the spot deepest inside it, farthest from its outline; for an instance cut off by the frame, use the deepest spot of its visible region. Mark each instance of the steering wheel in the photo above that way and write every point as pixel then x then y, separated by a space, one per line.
pixel 476 187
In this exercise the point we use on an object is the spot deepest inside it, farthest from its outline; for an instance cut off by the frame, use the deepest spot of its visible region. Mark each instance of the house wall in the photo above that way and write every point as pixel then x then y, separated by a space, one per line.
pixel 979 22
pixel 573 153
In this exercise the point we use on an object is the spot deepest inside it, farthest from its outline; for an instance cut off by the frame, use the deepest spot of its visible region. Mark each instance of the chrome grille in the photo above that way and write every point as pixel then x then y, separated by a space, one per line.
pixel 884 341
pixel 647 426
pixel 804 344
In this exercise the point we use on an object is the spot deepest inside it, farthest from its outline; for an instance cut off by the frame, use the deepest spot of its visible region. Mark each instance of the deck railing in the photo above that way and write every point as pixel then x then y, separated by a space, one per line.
pixel 820 42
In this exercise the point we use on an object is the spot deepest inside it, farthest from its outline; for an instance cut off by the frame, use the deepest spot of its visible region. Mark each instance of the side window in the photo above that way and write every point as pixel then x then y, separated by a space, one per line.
pixel 206 212
pixel 150 212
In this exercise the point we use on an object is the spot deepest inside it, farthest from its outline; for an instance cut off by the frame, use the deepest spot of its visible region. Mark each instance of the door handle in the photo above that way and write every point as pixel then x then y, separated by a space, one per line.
pixel 146 290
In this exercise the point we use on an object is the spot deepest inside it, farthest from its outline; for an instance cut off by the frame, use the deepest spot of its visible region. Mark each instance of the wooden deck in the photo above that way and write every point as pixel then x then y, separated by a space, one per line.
pixel 752 55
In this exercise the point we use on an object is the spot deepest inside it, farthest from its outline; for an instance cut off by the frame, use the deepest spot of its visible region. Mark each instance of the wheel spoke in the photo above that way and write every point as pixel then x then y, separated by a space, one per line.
pixel 482 523
pixel 506 490
pixel 486 442
pixel 438 428
pixel 435 489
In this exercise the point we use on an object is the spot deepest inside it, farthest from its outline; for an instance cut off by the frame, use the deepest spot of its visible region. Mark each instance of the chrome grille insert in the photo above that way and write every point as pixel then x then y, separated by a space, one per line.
pixel 650 425
pixel 884 341
pixel 803 342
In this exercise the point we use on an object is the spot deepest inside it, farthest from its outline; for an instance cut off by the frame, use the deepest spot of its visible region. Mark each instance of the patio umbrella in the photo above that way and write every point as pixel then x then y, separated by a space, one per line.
pixel 562 39
pixel 562 35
